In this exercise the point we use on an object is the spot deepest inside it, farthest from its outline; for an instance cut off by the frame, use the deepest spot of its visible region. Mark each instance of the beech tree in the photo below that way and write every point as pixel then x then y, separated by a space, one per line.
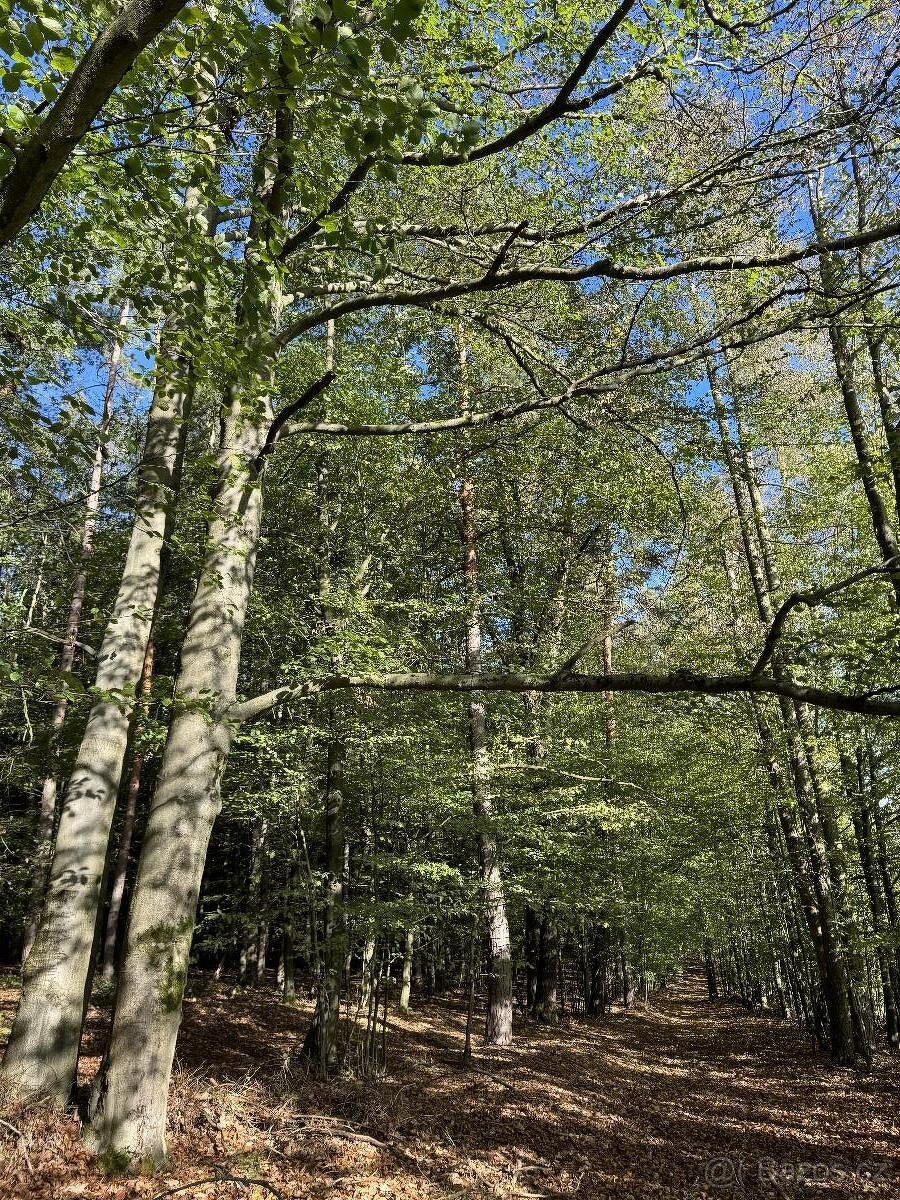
pixel 467 349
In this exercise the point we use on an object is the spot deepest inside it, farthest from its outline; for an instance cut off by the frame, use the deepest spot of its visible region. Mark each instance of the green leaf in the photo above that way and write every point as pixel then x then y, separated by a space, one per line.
pixel 62 60
pixel 51 26
pixel 15 117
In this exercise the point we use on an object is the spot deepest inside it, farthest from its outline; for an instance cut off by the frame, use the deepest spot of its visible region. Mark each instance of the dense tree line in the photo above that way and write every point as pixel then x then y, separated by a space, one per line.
pixel 451 487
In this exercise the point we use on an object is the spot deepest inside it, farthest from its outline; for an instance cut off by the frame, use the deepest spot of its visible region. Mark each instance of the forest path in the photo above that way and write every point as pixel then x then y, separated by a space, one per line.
pixel 693 1098
pixel 679 1098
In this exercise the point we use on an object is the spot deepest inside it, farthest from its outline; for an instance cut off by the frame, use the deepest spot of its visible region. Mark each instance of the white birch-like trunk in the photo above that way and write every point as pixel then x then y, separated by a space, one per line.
pixel 406 978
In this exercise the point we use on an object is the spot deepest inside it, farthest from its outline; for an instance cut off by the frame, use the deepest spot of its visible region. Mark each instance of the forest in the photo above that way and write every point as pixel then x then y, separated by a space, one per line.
pixel 450 599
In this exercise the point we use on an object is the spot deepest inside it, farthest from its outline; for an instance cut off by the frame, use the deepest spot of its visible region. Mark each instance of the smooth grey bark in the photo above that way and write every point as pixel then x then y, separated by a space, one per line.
pixel 128 1109
pixel 47 808
pixel 890 412
pixel 409 941
pixel 825 877
pixel 321 1038
pixel 286 978
pixel 252 963
pixel 846 925
pixel 368 958
pixel 797 861
pixel 887 403
pixel 844 358
pixel 38 161
pixel 42 1053
pixel 129 812
pixel 679 681
pixel 863 828
pixel 836 982
pixel 882 861
pixel 816 801
pixel 499 1016
pixel 546 999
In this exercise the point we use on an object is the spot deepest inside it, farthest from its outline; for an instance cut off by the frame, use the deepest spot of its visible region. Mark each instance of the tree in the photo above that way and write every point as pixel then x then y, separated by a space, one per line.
pixel 635 268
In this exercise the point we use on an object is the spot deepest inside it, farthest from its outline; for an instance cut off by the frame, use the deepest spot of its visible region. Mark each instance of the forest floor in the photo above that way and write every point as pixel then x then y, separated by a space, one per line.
pixel 679 1098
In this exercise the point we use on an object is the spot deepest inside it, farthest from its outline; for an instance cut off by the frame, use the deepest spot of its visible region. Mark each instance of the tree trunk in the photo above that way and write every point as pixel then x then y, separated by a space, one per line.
pixel 709 965
pixel 865 841
pixel 262 950
pixel 532 957
pixel 325 1025
pixel 547 992
pixel 47 808
pixel 846 932
pixel 288 946
pixel 825 923
pixel 406 979
pixel 123 855
pixel 128 1111
pixel 835 984
pixel 128 1108
pixel 250 966
pixel 498 1022
pixel 43 1047
pixel 873 795
pixel 627 980
pixel 844 357
pixel 321 1039
pixel 368 958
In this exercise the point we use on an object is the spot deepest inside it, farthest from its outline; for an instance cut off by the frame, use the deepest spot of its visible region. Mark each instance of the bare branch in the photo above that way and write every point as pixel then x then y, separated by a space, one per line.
pixel 603 268
pixel 810 599
pixel 679 682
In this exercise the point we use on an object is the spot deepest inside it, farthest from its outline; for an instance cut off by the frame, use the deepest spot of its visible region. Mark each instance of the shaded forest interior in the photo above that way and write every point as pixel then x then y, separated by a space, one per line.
pixel 449 597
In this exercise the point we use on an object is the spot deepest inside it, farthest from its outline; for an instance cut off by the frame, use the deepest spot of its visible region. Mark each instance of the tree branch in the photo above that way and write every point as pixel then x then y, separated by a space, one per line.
pixel 354 182
pixel 616 374
pixel 678 682
pixel 810 599
pixel 493 416
pixel 560 104
pixel 603 268
pixel 106 62
pixel 281 418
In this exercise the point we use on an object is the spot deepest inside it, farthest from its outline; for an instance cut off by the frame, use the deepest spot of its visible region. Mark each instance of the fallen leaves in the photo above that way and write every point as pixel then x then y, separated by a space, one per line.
pixel 681 1099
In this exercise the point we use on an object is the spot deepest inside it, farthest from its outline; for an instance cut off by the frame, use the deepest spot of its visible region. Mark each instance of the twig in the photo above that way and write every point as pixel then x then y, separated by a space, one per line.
pixel 53 637
pixel 314 1117
pixel 350 1134
pixel 343 1131
pixel 22 1145
pixel 239 1179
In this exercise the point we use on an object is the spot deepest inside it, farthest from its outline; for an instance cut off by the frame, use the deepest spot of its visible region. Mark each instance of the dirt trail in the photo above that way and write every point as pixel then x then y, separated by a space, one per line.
pixel 682 1098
